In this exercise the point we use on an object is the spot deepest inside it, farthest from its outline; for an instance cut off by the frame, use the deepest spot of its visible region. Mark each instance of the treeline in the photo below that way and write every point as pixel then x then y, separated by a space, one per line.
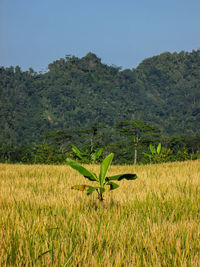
pixel 135 142
pixel 80 92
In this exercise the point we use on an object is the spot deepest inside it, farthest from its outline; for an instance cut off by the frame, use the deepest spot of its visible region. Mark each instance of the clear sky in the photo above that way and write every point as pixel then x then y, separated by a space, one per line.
pixel 34 33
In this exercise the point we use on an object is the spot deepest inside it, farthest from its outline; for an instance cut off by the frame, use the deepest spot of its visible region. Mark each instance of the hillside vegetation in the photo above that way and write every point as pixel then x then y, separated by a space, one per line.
pixel 152 221
pixel 80 92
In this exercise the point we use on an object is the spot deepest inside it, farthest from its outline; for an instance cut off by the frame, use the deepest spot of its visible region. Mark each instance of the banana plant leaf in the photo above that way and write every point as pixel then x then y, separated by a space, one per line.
pixel 104 168
pixel 99 152
pixel 127 176
pixel 91 189
pixel 84 187
pixel 159 149
pixel 146 154
pixel 81 187
pixel 86 173
pixel 77 152
pixel 112 185
pixel 152 149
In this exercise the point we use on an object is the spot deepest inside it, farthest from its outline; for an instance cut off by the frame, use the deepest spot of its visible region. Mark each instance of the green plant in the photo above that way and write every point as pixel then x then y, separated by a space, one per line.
pixel 182 155
pixel 79 154
pixel 87 156
pixel 158 154
pixel 96 155
pixel 102 180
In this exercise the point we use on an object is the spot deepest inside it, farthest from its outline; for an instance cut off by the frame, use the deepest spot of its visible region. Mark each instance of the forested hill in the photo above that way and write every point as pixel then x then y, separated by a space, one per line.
pixel 80 92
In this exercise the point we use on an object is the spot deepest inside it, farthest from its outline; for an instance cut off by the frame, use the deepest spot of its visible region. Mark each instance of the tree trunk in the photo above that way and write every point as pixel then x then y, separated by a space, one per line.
pixel 135 155
pixel 135 149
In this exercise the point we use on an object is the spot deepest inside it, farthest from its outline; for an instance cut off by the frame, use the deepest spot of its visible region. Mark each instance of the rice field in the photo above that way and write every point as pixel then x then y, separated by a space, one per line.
pixel 152 221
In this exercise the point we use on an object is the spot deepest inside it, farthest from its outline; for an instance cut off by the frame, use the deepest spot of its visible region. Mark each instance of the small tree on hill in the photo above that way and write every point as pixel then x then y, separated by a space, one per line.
pixel 138 131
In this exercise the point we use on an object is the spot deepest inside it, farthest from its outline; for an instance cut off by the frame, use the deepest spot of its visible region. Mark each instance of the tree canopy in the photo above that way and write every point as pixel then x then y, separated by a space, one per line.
pixel 80 92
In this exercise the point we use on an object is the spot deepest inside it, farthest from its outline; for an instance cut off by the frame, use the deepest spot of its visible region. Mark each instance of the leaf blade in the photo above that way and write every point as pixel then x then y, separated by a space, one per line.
pixel 113 186
pixel 104 168
pixel 77 152
pixel 147 155
pixel 86 173
pixel 99 152
pixel 159 149
pixel 152 149
pixel 80 187
pixel 119 177
pixel 85 187
pixel 91 189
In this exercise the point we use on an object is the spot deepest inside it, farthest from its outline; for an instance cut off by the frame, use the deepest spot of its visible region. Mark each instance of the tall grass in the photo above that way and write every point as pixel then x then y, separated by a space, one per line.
pixel 152 221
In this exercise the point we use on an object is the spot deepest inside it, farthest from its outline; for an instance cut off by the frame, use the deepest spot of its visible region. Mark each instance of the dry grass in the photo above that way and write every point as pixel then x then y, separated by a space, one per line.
pixel 152 221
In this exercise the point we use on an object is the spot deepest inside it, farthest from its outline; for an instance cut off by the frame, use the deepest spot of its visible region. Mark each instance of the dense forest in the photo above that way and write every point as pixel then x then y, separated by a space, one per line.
pixel 78 93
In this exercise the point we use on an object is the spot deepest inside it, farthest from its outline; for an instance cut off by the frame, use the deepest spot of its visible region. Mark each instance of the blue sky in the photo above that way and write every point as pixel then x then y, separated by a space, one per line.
pixel 34 33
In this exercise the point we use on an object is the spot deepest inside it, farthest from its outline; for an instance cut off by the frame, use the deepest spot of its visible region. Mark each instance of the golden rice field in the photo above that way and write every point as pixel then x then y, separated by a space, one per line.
pixel 152 221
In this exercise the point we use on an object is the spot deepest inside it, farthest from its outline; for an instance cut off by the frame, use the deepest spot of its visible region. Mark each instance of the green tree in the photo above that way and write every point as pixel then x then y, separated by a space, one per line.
pixel 138 132
pixel 59 140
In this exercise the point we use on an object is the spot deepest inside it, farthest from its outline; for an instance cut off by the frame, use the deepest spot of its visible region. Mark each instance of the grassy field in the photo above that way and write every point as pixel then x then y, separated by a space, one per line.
pixel 152 221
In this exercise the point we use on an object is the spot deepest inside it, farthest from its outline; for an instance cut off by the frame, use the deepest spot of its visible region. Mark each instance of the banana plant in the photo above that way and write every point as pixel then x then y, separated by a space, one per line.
pixel 158 154
pixel 96 155
pixel 87 156
pixel 80 155
pixel 102 180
